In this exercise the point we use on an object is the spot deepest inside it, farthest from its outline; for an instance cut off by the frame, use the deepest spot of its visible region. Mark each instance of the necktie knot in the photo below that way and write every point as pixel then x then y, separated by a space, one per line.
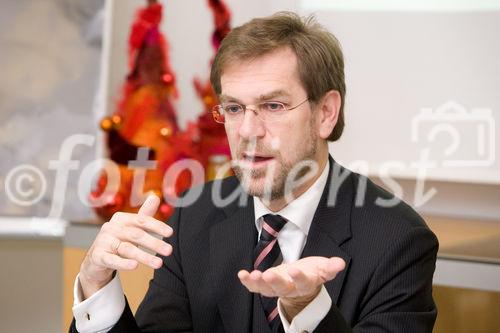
pixel 271 226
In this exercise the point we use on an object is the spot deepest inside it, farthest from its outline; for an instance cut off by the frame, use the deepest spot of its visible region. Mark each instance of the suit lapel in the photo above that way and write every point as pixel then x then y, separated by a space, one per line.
pixel 231 246
pixel 330 227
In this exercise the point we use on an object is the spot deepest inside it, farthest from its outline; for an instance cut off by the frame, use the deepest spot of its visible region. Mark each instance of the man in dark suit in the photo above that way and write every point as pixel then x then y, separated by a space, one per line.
pixel 295 242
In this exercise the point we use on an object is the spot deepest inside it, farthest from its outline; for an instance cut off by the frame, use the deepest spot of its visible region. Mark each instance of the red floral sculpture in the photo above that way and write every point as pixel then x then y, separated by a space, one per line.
pixel 145 117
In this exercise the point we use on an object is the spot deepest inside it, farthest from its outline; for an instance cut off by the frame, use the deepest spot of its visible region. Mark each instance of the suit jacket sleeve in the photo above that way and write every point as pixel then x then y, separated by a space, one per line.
pixel 399 295
pixel 165 306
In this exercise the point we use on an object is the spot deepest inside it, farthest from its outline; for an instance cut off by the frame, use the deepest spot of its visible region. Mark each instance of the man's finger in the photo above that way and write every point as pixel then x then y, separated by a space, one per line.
pixel 244 277
pixel 281 285
pixel 116 262
pixel 329 269
pixel 150 206
pixel 146 222
pixel 130 251
pixel 259 285
pixel 142 238
pixel 251 280
pixel 151 224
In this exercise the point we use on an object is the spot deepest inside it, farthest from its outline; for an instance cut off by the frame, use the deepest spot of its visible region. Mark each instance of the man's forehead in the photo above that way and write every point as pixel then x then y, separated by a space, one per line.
pixel 269 76
pixel 283 58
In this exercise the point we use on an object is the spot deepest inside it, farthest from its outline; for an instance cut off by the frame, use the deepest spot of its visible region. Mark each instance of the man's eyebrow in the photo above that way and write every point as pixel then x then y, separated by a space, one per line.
pixel 273 94
pixel 226 98
pixel 264 97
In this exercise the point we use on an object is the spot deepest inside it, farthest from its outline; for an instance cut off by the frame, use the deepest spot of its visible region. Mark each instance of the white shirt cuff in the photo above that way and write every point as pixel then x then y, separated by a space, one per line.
pixel 101 311
pixel 309 318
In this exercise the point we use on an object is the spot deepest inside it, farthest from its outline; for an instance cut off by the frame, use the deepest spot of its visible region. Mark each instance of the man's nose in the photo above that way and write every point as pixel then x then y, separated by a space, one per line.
pixel 251 125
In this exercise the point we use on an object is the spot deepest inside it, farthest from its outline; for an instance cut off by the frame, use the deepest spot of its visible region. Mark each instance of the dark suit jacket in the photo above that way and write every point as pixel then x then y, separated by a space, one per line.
pixel 390 257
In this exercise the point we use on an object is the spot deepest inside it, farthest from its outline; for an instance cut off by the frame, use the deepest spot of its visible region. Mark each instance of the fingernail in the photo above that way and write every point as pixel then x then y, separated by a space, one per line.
pixel 157 262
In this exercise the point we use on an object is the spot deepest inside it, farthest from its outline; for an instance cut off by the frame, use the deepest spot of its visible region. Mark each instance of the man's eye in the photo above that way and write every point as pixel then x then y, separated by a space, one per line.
pixel 273 106
pixel 232 108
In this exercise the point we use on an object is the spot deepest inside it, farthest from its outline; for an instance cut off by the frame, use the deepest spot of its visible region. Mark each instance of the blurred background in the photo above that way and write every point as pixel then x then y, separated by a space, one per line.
pixel 85 82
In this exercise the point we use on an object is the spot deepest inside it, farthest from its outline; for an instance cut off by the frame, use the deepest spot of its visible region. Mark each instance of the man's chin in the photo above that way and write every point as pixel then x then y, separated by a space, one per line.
pixel 256 187
pixel 249 174
pixel 256 191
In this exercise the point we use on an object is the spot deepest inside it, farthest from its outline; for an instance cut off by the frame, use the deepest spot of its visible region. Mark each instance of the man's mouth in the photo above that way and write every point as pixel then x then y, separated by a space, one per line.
pixel 255 158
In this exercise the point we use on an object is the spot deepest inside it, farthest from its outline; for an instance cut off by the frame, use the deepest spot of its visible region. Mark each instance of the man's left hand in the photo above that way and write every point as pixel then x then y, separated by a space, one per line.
pixel 296 284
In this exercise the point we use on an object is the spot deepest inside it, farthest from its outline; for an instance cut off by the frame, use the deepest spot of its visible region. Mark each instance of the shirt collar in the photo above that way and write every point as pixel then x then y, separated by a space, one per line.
pixel 300 211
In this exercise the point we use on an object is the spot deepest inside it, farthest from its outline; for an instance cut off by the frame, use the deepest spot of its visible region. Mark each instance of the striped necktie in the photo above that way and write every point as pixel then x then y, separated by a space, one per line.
pixel 267 254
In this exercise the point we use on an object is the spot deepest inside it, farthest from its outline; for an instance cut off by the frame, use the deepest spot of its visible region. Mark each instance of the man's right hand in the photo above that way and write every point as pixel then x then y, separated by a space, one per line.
pixel 116 247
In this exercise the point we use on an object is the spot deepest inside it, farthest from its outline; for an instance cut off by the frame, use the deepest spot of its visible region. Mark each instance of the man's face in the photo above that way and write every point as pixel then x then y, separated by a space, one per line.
pixel 269 149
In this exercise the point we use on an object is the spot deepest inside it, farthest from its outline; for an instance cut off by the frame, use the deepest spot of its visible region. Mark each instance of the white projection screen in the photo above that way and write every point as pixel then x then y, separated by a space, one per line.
pixel 423 86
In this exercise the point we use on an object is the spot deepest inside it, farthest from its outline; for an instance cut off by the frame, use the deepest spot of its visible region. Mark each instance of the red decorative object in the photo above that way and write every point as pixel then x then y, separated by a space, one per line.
pixel 145 117
pixel 222 21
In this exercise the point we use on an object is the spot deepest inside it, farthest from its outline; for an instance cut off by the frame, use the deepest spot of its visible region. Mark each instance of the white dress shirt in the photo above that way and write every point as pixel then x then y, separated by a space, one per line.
pixel 101 311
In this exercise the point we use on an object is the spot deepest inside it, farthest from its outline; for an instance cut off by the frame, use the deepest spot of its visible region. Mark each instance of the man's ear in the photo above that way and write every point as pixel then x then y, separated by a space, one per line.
pixel 328 113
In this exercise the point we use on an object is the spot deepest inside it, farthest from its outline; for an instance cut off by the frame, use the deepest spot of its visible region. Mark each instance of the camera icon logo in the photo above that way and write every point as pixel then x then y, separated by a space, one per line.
pixel 459 137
